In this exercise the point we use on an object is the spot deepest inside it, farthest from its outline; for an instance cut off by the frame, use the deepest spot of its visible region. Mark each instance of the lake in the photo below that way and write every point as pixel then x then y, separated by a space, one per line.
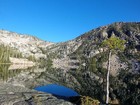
pixel 20 76
pixel 57 90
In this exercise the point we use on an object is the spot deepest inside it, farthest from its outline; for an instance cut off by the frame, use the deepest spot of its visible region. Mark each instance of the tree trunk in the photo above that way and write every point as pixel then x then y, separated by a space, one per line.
pixel 107 78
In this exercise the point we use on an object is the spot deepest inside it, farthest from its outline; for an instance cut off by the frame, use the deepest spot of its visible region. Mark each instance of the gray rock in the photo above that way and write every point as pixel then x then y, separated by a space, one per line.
pixel 16 95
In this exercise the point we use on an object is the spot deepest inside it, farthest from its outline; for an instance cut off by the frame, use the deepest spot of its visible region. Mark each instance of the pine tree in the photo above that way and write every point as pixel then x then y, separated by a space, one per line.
pixel 113 44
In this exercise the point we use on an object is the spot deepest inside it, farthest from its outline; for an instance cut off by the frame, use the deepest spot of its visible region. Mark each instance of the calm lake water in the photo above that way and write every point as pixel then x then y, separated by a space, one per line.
pixel 10 74
pixel 57 90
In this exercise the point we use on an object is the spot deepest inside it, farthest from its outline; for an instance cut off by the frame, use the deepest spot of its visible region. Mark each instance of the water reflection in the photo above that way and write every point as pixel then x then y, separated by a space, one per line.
pixel 32 77
pixel 5 73
pixel 39 76
pixel 9 71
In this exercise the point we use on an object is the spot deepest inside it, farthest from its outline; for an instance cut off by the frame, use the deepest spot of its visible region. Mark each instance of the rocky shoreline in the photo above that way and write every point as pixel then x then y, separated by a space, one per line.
pixel 18 95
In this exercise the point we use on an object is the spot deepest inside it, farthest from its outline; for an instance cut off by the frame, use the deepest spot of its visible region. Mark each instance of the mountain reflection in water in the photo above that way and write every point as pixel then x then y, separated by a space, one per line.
pixel 9 71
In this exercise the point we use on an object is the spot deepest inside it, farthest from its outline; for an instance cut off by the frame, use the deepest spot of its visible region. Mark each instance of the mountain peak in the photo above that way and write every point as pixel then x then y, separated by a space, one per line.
pixel 28 45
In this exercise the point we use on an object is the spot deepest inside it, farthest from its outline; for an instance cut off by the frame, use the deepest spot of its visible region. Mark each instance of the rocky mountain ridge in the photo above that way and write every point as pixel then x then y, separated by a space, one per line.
pixel 86 45
pixel 28 45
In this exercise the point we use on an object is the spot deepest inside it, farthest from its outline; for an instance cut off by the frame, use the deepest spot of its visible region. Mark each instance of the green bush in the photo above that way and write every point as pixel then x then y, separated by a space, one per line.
pixel 32 58
pixel 86 100
pixel 4 54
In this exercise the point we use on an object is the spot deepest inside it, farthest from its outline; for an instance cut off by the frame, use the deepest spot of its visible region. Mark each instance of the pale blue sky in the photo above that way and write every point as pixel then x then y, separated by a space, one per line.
pixel 62 20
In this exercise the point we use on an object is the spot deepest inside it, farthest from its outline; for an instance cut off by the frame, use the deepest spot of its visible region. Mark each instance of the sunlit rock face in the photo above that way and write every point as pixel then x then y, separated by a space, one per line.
pixel 28 45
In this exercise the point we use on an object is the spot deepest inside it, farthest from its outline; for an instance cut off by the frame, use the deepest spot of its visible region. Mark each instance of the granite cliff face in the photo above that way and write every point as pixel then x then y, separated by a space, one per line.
pixel 88 45
pixel 28 45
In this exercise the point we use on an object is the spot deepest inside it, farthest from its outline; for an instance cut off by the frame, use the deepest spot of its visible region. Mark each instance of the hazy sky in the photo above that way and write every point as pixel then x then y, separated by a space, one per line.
pixel 62 20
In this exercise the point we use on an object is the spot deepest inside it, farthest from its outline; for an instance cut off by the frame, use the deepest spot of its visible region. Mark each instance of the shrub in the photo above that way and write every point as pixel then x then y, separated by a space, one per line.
pixel 86 100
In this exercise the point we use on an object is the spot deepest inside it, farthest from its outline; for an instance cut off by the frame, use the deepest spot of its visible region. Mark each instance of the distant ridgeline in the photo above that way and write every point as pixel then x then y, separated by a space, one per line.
pixel 6 52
